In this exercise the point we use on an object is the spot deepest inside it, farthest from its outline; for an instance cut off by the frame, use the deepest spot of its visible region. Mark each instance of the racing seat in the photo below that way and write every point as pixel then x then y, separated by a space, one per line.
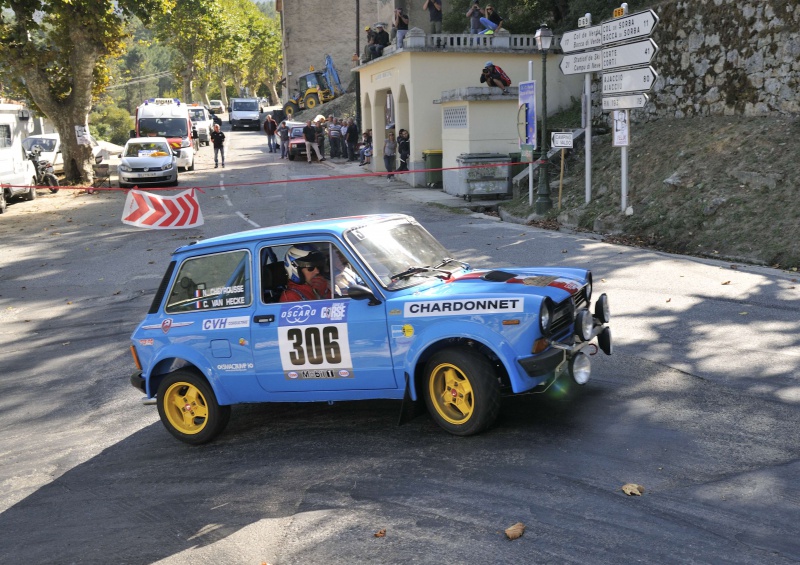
pixel 273 278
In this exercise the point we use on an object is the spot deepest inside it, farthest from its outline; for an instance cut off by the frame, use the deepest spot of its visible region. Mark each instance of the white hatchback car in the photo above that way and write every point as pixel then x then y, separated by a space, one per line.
pixel 148 161
pixel 50 145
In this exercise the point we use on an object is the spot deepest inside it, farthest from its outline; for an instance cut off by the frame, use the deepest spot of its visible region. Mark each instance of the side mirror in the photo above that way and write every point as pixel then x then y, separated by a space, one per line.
pixel 358 292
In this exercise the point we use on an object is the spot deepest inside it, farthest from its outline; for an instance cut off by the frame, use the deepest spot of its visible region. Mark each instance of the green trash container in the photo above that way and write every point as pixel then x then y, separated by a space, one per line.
pixel 433 160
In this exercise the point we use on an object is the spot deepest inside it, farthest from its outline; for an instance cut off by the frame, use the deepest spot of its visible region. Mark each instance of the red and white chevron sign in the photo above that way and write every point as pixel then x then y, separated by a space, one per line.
pixel 146 210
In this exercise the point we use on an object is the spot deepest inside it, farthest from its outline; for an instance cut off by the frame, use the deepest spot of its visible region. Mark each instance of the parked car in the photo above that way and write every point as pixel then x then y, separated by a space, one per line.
pixel 148 161
pixel 50 144
pixel 216 107
pixel 297 144
pixel 202 122
pixel 399 318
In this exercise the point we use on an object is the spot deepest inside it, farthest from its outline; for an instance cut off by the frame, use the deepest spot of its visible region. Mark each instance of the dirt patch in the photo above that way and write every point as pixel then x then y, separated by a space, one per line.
pixel 720 186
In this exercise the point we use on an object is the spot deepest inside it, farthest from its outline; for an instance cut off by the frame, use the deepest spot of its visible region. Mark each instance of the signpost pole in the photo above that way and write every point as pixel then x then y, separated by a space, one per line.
pixel 587 140
pixel 624 176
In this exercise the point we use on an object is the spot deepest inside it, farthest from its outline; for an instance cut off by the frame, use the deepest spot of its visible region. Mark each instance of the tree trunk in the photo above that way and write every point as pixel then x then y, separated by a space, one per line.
pixel 71 111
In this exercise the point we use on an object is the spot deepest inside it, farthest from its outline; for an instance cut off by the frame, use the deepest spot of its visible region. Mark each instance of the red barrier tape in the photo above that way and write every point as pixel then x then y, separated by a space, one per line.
pixel 92 189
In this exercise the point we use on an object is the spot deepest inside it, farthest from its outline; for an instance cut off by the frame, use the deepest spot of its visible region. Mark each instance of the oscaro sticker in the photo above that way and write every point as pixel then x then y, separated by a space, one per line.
pixel 234 366
pixel 146 341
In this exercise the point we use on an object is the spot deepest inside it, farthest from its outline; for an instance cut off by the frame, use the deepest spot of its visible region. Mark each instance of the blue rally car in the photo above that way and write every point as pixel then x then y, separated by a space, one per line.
pixel 356 308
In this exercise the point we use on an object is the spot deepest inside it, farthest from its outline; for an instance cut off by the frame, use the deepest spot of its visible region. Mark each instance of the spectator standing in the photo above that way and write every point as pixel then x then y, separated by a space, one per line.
pixel 434 8
pixel 381 42
pixel 389 154
pixel 404 149
pixel 270 127
pixel 321 135
pixel 474 14
pixel 351 139
pixel 401 25
pixel 283 132
pixel 218 139
pixel 310 135
pixel 334 136
pixel 493 21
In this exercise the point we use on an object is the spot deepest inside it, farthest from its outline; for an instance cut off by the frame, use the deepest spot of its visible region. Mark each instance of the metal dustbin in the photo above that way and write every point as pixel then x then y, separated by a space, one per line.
pixel 516 167
pixel 482 181
pixel 433 160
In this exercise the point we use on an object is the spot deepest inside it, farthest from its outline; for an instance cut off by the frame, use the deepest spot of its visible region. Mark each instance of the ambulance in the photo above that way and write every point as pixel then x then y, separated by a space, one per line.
pixel 168 117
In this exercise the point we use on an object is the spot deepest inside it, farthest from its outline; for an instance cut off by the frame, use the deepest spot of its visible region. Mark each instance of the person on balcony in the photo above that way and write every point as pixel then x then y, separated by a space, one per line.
pixel 474 14
pixel 401 25
pixel 434 8
pixel 381 42
pixel 493 21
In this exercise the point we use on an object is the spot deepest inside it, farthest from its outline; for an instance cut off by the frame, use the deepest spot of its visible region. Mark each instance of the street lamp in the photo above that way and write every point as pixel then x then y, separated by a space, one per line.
pixel 544 38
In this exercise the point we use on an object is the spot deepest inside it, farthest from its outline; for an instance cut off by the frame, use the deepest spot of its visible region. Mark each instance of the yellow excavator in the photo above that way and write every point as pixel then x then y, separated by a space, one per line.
pixel 314 88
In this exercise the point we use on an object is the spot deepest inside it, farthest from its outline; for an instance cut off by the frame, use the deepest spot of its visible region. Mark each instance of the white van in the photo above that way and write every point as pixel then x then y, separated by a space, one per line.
pixel 244 113
pixel 168 117
pixel 17 175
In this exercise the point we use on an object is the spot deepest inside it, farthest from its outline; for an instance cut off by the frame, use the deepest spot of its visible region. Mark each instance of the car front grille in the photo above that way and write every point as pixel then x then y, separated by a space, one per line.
pixel 564 313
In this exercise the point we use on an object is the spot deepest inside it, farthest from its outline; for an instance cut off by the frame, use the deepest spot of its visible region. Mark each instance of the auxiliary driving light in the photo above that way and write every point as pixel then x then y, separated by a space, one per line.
pixel 604 341
pixel 584 323
pixel 601 309
pixel 580 368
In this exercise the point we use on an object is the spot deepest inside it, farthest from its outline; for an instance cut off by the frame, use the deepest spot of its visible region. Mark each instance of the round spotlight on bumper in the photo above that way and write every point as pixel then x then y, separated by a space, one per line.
pixel 601 310
pixel 584 323
pixel 604 341
pixel 580 368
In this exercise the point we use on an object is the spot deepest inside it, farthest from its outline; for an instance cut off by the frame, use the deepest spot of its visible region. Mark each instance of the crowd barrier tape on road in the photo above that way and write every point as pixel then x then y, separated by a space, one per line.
pixel 155 212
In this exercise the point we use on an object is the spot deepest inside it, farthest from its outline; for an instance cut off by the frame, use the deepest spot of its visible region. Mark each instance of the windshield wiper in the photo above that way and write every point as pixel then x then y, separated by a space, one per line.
pixel 420 269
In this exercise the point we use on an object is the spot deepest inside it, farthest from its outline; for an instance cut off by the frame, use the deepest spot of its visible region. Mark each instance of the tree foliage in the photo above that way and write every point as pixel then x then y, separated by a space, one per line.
pixel 55 54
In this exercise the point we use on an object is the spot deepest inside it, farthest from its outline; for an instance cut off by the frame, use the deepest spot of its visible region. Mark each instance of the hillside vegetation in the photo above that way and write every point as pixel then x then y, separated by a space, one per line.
pixel 724 187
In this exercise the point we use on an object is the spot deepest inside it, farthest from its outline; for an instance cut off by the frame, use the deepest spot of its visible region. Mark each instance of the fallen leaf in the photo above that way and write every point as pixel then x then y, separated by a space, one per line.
pixel 563 251
pixel 669 300
pixel 381 533
pixel 602 280
pixel 734 266
pixel 515 531
pixel 727 282
pixel 632 489
pixel 743 313
pixel 65 343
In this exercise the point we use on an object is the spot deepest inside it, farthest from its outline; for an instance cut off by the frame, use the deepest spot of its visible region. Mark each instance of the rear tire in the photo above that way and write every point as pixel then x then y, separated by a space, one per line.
pixel 311 101
pixel 188 408
pixel 52 182
pixel 2 201
pixel 461 391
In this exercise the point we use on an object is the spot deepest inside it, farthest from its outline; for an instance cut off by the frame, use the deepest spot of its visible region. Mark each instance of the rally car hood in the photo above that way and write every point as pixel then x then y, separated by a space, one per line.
pixel 556 283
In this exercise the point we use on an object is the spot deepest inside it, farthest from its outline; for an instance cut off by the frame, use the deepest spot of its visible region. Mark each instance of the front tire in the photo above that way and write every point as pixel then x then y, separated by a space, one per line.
pixel 461 391
pixel 2 200
pixel 189 409
pixel 290 109
pixel 31 194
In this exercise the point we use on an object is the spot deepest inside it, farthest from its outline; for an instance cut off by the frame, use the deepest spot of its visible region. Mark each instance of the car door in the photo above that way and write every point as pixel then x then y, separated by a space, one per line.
pixel 319 345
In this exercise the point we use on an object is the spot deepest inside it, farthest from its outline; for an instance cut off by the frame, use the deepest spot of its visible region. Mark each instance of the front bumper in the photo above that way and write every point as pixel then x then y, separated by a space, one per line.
pixel 138 382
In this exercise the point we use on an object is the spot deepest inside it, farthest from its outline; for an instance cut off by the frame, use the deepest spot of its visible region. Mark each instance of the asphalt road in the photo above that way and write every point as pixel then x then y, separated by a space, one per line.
pixel 699 404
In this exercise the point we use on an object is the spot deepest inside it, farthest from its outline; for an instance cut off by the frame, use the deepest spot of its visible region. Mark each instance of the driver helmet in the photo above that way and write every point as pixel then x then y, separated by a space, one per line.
pixel 298 256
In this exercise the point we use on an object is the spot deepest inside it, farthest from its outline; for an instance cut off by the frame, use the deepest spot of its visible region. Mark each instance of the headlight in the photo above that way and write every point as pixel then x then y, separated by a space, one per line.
pixel 545 315
pixel 584 324
pixel 580 368
pixel 125 168
pixel 166 167
pixel 601 309
pixel 186 142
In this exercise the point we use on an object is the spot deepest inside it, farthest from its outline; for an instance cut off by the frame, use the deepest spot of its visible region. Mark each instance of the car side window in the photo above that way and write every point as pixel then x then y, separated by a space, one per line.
pixel 212 282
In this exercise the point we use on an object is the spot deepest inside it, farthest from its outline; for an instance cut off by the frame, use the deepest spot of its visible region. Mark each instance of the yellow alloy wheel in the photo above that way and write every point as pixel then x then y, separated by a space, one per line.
pixel 451 393
pixel 185 407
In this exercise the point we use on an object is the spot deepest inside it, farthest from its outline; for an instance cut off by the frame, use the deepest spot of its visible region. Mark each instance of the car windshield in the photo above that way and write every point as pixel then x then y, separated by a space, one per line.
pixel 163 127
pixel 147 150
pixel 401 248
pixel 197 115
pixel 45 143
pixel 246 105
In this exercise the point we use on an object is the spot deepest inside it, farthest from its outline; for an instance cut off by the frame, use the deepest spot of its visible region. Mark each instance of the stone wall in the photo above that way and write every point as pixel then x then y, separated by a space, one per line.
pixel 724 58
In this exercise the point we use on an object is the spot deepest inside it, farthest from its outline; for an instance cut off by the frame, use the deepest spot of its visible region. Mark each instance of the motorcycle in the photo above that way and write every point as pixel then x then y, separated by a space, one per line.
pixel 45 175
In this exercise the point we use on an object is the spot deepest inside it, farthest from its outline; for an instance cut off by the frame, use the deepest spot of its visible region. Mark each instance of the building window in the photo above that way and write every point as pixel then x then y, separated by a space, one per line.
pixel 5 136
pixel 455 118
